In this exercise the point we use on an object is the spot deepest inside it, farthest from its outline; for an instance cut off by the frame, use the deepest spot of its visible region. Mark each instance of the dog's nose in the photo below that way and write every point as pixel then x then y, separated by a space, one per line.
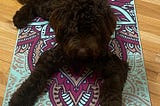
pixel 82 52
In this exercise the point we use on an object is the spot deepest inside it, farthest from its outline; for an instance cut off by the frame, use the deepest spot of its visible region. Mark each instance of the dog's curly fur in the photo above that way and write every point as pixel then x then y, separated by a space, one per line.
pixel 83 30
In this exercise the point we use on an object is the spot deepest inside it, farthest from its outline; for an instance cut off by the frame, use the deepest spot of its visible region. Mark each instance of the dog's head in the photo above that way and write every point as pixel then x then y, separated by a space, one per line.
pixel 83 29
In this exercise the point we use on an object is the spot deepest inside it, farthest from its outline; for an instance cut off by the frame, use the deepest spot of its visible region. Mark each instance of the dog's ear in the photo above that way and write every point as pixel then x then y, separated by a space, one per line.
pixel 58 20
pixel 106 20
pixel 56 24
pixel 108 15
pixel 110 23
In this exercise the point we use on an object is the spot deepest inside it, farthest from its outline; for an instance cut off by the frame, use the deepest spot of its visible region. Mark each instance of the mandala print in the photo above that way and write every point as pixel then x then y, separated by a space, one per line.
pixel 69 89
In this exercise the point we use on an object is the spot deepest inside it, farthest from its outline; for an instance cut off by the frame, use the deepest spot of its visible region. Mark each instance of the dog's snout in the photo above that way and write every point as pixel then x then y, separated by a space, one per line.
pixel 82 52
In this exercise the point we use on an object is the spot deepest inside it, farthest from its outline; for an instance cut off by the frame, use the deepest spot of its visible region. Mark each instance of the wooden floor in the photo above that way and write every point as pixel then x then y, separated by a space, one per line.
pixel 148 12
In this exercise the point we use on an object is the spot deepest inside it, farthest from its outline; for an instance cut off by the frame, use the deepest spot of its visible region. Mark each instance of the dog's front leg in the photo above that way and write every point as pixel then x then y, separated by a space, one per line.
pixel 114 73
pixel 34 86
pixel 111 92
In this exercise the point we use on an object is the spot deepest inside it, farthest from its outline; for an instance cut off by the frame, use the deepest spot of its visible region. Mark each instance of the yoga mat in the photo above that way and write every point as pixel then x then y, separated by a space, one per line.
pixel 68 89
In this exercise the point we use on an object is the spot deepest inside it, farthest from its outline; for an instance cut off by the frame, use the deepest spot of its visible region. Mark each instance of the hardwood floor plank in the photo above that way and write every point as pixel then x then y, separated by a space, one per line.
pixel 4 71
pixel 152 67
pixel 154 87
pixel 2 89
pixel 154 58
pixel 158 78
pixel 1 100
pixel 152 76
pixel 152 1
pixel 147 9
pixel 6 55
pixel 150 41
pixel 149 25
pixel 155 99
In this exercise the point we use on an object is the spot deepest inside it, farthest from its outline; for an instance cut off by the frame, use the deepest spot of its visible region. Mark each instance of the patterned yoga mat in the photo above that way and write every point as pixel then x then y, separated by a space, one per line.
pixel 68 89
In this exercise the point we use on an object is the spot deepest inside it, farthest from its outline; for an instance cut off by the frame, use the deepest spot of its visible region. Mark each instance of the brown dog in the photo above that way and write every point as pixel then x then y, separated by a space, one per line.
pixel 83 30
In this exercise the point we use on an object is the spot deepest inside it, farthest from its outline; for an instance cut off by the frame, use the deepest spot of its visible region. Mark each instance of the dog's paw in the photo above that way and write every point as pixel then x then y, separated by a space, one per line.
pixel 20 20
pixel 21 100
pixel 115 103
pixel 14 102
pixel 112 103
pixel 104 101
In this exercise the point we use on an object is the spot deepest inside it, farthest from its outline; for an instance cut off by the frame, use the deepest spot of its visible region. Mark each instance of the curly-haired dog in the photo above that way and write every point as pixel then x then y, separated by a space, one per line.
pixel 83 30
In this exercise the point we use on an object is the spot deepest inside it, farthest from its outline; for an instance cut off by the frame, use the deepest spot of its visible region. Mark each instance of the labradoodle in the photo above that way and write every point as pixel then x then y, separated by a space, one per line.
pixel 83 30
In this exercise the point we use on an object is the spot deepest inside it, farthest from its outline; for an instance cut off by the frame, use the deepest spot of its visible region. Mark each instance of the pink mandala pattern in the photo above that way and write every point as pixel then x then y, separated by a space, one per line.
pixel 70 89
